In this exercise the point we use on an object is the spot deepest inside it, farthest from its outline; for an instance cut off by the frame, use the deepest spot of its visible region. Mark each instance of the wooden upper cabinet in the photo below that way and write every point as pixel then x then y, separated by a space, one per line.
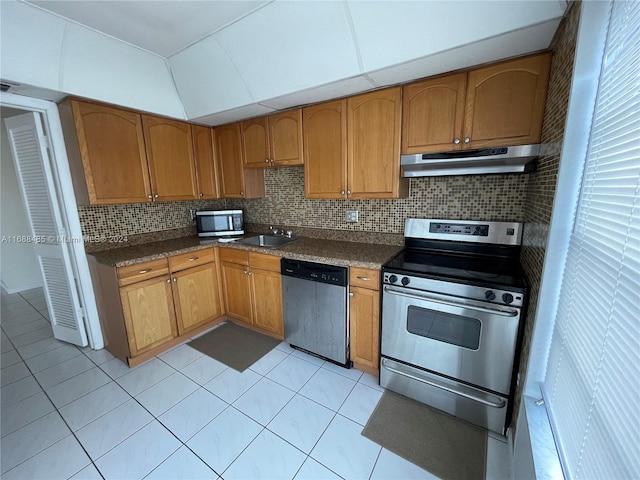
pixel 285 135
pixel 106 151
pixel 273 141
pixel 235 181
pixel 325 150
pixel 373 145
pixel 433 114
pixel 505 102
pixel 206 164
pixel 170 155
pixel 255 142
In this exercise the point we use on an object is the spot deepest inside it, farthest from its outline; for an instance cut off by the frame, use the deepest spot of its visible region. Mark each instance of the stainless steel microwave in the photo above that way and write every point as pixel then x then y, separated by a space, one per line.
pixel 218 223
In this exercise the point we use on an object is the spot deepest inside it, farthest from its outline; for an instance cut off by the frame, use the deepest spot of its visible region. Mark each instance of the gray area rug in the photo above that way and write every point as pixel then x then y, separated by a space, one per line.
pixel 235 346
pixel 449 448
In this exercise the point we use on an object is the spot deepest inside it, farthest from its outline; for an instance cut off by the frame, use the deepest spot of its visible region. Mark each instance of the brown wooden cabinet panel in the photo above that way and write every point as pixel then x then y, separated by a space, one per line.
pixel 196 295
pixel 433 113
pixel 325 150
pixel 266 290
pixel 142 271
pixel 235 181
pixel 255 142
pixel 237 291
pixel 106 151
pixel 149 314
pixel 505 102
pixel 373 144
pixel 364 327
pixel 206 162
pixel 285 135
pixel 170 154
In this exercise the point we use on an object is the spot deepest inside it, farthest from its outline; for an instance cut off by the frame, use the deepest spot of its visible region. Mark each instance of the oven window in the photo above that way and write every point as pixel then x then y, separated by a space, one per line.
pixel 454 329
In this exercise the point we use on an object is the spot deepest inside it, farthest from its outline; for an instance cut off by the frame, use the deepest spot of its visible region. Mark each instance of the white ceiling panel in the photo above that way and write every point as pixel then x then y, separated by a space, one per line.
pixel 389 33
pixel 97 66
pixel 511 44
pixel 162 27
pixel 329 91
pixel 20 53
pixel 241 113
pixel 207 79
pixel 290 46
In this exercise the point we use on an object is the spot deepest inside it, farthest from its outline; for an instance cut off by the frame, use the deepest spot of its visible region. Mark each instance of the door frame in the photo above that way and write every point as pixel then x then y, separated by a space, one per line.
pixel 64 191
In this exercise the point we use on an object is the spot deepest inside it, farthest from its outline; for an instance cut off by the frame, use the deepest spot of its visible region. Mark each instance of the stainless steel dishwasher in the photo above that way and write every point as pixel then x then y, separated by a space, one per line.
pixel 314 297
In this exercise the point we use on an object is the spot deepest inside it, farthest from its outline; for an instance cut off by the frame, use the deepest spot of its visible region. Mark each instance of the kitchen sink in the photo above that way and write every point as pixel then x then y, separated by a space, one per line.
pixel 267 241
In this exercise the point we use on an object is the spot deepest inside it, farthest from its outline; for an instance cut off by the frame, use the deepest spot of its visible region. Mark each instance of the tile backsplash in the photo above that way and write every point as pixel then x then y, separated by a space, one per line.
pixel 487 197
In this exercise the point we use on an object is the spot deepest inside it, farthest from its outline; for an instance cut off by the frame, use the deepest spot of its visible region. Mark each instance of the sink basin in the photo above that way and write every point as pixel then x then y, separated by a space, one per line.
pixel 267 241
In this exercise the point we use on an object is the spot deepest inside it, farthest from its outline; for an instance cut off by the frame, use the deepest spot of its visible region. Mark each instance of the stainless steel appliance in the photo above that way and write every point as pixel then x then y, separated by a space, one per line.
pixel 518 159
pixel 219 223
pixel 314 300
pixel 452 308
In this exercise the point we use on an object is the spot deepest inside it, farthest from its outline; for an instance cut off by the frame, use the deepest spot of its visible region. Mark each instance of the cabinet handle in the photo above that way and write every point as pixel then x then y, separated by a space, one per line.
pixel 155 196
pixel 242 193
pixel 202 194
pixel 456 141
pixel 149 196
pixel 351 294
pixel 266 160
pixel 142 272
pixel 467 139
pixel 168 281
pixel 366 279
pixel 341 192
pixel 271 160
pixel 348 192
pixel 193 259
pixel 175 280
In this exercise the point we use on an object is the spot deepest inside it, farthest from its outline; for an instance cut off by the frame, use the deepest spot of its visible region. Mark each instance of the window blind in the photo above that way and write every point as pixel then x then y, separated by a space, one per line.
pixel 592 383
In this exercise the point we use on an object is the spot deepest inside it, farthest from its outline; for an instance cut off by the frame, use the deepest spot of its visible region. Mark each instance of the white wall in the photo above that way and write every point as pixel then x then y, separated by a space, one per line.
pixel 19 268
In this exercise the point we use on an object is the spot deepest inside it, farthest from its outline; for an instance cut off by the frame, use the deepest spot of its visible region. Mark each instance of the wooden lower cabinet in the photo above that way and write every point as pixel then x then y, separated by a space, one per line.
pixel 149 307
pixel 364 319
pixel 196 298
pixel 148 312
pixel 253 289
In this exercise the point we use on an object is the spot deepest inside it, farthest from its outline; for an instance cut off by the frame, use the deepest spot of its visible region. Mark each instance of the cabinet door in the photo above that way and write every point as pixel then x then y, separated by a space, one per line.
pixel 229 150
pixel 255 143
pixel 149 314
pixel 170 154
pixel 432 114
pixel 505 103
pixel 111 148
pixel 266 289
pixel 237 291
pixel 373 144
pixel 364 326
pixel 285 135
pixel 325 150
pixel 206 168
pixel 197 297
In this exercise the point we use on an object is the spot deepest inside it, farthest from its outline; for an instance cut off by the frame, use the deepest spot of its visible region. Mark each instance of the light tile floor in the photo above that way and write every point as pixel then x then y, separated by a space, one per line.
pixel 77 413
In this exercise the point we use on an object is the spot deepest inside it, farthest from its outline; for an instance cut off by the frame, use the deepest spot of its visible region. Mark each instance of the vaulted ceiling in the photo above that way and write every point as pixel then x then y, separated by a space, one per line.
pixel 219 61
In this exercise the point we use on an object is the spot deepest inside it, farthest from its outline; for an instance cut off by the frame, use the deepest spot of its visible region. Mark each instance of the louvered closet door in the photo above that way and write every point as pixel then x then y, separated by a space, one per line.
pixel 29 149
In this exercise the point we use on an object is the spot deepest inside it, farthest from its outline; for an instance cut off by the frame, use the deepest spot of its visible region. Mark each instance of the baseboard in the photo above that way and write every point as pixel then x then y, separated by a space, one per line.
pixel 21 288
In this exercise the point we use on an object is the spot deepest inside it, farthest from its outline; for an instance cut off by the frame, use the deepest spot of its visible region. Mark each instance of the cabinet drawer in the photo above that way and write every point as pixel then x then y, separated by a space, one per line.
pixel 364 277
pixel 264 262
pixel 232 255
pixel 191 259
pixel 142 271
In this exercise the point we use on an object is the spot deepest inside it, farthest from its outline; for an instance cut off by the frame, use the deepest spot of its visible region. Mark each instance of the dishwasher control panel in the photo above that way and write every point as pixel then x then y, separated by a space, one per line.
pixel 315 272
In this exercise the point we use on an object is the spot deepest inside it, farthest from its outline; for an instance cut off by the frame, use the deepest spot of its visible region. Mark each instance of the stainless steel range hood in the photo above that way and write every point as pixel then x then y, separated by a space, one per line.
pixel 519 159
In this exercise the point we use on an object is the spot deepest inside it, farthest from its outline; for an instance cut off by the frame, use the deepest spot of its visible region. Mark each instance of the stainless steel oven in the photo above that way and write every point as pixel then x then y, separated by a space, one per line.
pixel 451 319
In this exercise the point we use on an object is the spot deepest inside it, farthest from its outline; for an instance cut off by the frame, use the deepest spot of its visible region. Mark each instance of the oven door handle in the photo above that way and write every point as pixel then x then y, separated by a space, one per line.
pixel 499 404
pixel 494 311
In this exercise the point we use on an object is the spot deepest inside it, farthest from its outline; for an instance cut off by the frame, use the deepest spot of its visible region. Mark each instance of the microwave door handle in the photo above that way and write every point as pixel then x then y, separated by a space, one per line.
pixel 417 296
pixel 499 404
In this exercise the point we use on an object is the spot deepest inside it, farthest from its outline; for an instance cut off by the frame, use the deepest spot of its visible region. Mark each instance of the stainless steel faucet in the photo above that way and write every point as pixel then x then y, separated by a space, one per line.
pixel 280 232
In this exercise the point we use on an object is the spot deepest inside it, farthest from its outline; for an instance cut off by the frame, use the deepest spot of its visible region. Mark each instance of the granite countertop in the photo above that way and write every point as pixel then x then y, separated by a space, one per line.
pixel 336 252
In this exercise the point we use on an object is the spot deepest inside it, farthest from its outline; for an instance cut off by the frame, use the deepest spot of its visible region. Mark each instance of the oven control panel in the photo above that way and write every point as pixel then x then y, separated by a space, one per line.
pixel 459 229
pixel 439 287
